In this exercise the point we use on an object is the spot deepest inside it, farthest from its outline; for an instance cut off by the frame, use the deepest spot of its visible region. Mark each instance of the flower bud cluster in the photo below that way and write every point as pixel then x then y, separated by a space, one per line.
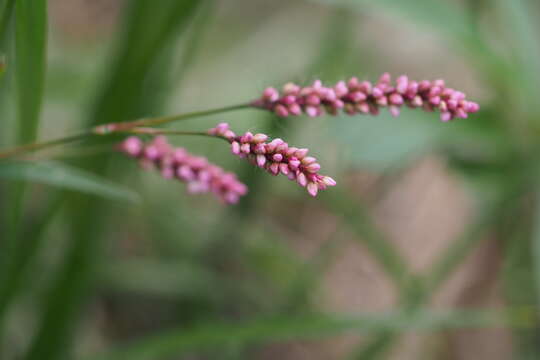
pixel 363 97
pixel 199 175
pixel 276 157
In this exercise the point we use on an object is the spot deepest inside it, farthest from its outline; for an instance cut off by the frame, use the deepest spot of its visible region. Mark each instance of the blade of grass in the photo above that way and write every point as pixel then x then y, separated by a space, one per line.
pixel 6 11
pixel 66 177
pixel 16 269
pixel 30 64
pixel 30 59
pixel 358 220
pixel 536 246
pixel 177 342
pixel 523 34
pixel 148 31
pixel 417 293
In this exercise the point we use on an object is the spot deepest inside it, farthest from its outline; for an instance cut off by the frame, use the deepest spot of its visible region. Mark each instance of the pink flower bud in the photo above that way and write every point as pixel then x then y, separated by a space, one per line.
pixel 259 138
pixel 277 157
pixel 301 179
pixel 312 189
pixel 270 94
pixel 235 147
pixel 261 160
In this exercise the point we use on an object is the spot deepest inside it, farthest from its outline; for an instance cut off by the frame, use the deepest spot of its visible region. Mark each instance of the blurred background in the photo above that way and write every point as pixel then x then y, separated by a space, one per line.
pixel 429 248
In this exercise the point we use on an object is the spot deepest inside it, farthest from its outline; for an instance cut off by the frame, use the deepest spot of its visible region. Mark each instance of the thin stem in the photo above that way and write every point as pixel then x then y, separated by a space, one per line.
pixel 126 127
pixel 152 131
pixel 123 126
pixel 38 146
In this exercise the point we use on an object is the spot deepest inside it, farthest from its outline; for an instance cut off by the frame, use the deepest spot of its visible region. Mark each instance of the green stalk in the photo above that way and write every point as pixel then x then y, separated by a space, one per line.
pixel 128 127
pixel 122 126
pixel 43 145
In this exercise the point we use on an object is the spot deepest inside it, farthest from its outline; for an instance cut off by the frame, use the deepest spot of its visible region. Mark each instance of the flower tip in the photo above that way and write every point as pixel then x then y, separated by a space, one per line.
pixel 261 160
pixel 132 146
pixel 312 189
pixel 328 181
pixel 259 138
pixel 270 94
pixel 446 116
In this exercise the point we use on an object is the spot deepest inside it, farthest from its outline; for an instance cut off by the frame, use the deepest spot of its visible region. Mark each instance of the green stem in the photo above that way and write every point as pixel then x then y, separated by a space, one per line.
pixel 135 126
pixel 123 126
pixel 38 146
pixel 152 131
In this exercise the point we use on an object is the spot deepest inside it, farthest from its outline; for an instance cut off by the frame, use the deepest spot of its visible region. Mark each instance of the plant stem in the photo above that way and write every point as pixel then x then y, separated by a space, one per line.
pixel 135 126
pixel 123 126
pixel 38 146
pixel 153 131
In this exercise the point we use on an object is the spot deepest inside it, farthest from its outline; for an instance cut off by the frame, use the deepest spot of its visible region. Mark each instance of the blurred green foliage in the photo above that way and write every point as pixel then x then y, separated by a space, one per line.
pixel 84 276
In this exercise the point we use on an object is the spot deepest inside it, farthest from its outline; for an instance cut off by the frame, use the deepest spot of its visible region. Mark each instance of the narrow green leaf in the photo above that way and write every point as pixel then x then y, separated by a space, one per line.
pixel 522 38
pixel 2 65
pixel 145 34
pixel 64 176
pixel 356 217
pixel 30 64
pixel 177 342
pixel 6 10
pixel 536 247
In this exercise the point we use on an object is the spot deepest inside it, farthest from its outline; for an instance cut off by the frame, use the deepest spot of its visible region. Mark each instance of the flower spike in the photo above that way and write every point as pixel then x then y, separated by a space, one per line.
pixel 199 175
pixel 362 97
pixel 276 157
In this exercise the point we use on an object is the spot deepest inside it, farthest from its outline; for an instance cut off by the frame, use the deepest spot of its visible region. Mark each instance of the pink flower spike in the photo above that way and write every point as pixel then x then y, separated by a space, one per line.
pixel 276 157
pixel 195 171
pixel 356 97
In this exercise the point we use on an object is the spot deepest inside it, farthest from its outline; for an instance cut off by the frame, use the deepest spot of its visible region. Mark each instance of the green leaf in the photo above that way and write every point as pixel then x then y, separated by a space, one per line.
pixel 522 44
pixel 146 33
pixel 182 340
pixel 6 10
pixel 30 64
pixel 536 247
pixel 64 176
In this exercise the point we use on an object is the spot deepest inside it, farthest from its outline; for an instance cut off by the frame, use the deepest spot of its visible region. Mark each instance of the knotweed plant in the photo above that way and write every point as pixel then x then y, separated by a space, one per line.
pixel 275 156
